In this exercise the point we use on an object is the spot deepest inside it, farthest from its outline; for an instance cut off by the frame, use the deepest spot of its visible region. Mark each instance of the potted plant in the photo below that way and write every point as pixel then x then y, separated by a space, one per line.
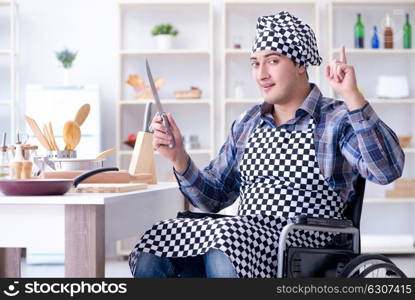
pixel 164 33
pixel 66 57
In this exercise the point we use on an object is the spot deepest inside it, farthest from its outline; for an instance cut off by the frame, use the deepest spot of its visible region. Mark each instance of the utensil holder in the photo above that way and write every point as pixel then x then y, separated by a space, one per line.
pixel 62 154
pixel 142 160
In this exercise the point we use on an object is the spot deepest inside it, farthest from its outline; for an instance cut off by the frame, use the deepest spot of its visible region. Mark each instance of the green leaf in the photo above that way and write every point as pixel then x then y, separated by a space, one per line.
pixel 66 57
pixel 164 29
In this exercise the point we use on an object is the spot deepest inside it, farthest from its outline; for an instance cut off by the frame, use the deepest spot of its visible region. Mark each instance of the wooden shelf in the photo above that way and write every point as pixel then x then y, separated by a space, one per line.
pixel 163 52
pixel 373 3
pixel 384 200
pixel 244 101
pixel 166 101
pixel 375 51
pixel 237 51
pixel 271 2
pixel 392 101
pixel 162 3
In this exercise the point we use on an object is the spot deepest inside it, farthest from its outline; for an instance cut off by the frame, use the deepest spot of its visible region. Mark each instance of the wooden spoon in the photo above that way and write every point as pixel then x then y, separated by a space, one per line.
pixel 55 145
pixel 105 153
pixel 37 132
pixel 71 135
pixel 82 114
pixel 47 136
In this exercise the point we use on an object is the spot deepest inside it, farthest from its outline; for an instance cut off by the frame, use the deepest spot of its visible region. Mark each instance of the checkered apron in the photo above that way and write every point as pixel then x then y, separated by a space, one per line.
pixel 280 179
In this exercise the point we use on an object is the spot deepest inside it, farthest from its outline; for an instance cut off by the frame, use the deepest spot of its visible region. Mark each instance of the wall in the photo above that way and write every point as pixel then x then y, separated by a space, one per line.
pixel 89 27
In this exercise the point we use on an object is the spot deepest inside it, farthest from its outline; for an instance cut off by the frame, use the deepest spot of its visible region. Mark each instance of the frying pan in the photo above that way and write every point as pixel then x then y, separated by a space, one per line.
pixel 44 187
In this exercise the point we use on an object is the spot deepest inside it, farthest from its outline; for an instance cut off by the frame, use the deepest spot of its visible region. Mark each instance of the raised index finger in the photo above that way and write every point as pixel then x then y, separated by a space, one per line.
pixel 343 55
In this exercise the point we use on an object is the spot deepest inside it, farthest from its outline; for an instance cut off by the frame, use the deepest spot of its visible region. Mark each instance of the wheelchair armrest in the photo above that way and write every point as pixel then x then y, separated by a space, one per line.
pixel 199 215
pixel 282 243
pixel 323 222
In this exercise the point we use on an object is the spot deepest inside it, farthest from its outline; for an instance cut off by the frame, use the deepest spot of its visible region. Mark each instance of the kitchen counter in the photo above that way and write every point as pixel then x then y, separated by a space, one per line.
pixel 92 222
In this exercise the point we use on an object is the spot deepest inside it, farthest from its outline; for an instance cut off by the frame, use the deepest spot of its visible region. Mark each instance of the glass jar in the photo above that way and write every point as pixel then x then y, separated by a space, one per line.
pixel 4 163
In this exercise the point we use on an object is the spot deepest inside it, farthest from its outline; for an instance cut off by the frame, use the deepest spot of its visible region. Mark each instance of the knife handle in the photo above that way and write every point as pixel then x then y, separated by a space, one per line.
pixel 166 124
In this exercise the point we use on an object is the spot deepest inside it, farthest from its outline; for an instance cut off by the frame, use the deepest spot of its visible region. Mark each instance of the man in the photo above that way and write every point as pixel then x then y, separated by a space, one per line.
pixel 296 153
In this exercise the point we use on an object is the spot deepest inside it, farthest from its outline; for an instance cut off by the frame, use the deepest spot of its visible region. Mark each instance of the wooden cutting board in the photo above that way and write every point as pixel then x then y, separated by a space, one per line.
pixel 109 187
pixel 105 177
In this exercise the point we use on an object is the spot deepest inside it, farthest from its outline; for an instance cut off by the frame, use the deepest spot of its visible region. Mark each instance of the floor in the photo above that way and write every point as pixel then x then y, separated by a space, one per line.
pixel 119 268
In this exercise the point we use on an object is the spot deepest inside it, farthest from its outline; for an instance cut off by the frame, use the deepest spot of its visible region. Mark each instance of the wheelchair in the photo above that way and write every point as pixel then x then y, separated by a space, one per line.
pixel 340 258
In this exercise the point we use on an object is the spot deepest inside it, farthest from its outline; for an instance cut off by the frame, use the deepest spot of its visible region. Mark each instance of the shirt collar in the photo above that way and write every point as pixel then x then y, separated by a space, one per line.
pixel 310 105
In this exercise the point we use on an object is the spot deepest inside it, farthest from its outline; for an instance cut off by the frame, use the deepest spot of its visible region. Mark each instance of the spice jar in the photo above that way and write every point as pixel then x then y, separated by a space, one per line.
pixel 16 166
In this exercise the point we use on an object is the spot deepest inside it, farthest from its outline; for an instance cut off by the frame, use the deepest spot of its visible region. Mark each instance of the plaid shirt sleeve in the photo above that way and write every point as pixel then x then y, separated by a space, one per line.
pixel 372 147
pixel 216 186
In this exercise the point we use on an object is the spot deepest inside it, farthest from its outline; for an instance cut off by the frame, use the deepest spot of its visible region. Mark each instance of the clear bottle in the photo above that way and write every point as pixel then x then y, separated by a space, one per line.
pixel 388 34
pixel 375 38
pixel 359 33
pixel 407 34
pixel 4 163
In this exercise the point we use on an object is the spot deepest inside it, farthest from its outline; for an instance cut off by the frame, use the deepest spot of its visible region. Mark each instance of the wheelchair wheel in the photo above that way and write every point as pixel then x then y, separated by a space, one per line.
pixel 358 264
pixel 383 270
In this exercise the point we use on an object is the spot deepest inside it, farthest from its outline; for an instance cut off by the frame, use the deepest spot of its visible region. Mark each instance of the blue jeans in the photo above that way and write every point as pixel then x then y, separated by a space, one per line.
pixel 213 264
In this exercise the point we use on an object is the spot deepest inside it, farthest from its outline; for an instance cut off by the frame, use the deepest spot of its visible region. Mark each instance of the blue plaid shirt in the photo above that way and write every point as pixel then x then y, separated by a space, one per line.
pixel 347 143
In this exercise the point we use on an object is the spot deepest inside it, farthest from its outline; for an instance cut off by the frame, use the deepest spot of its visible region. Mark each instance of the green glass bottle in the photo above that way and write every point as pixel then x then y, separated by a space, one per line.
pixel 359 33
pixel 407 34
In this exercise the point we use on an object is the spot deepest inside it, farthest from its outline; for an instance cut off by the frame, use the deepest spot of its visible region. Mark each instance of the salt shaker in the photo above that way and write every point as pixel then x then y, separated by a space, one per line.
pixel 16 165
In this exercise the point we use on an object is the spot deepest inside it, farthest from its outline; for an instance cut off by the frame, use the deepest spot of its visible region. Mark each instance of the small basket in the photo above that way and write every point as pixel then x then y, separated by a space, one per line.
pixel 193 93
pixel 404 140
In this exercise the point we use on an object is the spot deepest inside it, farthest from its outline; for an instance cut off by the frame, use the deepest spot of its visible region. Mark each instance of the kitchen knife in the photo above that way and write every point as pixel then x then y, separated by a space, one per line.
pixel 147 114
pixel 161 113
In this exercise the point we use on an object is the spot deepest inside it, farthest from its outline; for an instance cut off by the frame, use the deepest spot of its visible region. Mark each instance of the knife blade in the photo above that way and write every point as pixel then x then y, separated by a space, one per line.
pixel 50 163
pixel 161 113
pixel 147 114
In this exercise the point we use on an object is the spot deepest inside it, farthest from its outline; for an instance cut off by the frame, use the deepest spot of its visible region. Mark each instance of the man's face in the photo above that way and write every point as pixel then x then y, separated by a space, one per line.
pixel 275 74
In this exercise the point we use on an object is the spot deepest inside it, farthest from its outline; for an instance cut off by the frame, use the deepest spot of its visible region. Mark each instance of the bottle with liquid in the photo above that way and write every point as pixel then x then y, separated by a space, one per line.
pixel 375 38
pixel 388 34
pixel 407 34
pixel 359 33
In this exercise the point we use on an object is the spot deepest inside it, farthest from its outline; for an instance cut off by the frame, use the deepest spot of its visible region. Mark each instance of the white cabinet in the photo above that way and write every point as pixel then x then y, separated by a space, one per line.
pixel 188 63
pixel 8 68
pixel 387 223
pixel 239 91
